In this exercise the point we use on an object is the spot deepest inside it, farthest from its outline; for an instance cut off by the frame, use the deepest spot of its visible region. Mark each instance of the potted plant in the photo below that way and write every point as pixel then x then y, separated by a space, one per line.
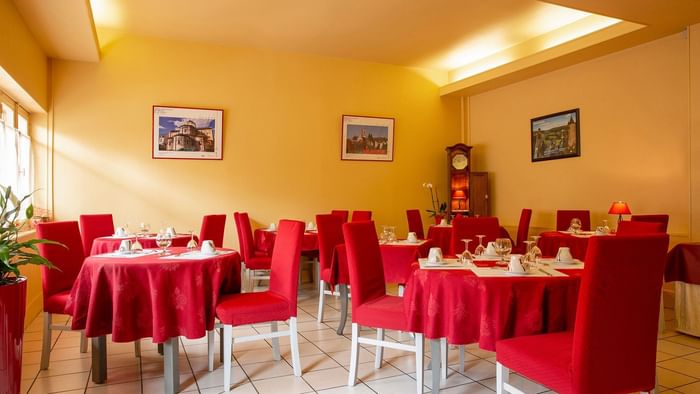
pixel 13 287
pixel 439 209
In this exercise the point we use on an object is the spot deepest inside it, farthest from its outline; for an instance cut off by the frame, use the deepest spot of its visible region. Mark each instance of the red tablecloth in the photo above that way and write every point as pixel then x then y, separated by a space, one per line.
pixel 442 237
pixel 397 260
pixel 265 240
pixel 111 244
pixel 150 296
pixel 551 241
pixel 683 263
pixel 465 308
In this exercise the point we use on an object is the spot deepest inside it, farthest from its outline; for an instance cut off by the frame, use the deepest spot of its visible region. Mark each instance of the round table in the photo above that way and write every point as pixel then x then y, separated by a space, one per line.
pixel 111 243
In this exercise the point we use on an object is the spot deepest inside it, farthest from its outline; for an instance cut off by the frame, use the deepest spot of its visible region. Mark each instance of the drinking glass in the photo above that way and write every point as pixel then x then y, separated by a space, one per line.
pixel 480 249
pixel 528 251
pixel 536 252
pixel 144 228
pixel 575 225
pixel 606 228
pixel 503 247
pixel 191 244
pixel 163 240
pixel 466 256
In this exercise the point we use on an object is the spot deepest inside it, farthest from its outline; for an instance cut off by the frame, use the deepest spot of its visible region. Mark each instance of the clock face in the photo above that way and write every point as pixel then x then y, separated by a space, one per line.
pixel 460 161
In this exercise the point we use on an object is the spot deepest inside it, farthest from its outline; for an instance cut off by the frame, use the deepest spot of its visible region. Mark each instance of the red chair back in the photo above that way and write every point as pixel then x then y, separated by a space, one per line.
pixel 213 227
pixel 284 275
pixel 94 226
pixel 564 217
pixel 342 214
pixel 630 227
pixel 652 218
pixel 469 228
pixel 415 222
pixel 68 259
pixel 245 235
pixel 361 216
pixel 364 262
pixel 614 348
pixel 330 234
pixel 523 226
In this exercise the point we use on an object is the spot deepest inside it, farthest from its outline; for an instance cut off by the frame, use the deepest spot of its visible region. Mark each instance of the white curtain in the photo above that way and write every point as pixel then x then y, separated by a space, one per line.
pixel 15 150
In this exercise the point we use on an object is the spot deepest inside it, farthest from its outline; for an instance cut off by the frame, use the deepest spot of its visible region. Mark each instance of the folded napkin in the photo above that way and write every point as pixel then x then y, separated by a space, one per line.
pixel 445 264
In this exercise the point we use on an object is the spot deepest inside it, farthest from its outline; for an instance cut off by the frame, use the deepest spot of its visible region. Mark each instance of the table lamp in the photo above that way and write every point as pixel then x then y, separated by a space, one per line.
pixel 459 195
pixel 619 208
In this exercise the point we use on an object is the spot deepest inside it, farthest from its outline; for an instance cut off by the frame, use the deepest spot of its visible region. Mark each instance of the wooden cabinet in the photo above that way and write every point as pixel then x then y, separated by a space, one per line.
pixel 479 198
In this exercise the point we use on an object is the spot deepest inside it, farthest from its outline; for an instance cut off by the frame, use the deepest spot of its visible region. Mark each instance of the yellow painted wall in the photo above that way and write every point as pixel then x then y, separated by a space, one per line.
pixel 282 119
pixel 21 56
pixel 635 133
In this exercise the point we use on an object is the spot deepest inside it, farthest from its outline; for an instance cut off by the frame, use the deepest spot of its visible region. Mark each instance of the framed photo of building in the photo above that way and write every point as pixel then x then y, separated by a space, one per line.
pixel 556 136
pixel 187 133
pixel 367 138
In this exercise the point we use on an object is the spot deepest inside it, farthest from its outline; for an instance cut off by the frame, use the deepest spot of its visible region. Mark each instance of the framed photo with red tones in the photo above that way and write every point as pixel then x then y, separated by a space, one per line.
pixel 367 138
pixel 187 133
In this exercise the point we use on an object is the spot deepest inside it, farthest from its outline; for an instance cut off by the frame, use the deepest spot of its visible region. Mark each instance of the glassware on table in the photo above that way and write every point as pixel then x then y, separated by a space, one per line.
pixel 388 234
pixel 191 244
pixel 136 246
pixel 536 252
pixel 466 255
pixel 480 249
pixel 606 228
pixel 144 228
pixel 528 252
pixel 164 240
pixel 503 247
pixel 575 225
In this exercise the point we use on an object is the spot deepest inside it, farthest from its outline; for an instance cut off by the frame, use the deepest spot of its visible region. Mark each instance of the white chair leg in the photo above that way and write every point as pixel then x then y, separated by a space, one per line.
pixel 137 348
pixel 419 362
pixel 502 377
pixel 354 348
pixel 210 349
pixel 461 358
pixel 275 342
pixel 228 344
pixel 379 353
pixel 443 358
pixel 83 342
pixel 46 341
pixel 401 289
pixel 321 294
pixel 294 345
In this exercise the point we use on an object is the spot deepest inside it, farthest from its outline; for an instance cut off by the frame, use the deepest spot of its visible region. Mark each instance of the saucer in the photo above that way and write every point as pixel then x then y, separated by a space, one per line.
pixel 572 261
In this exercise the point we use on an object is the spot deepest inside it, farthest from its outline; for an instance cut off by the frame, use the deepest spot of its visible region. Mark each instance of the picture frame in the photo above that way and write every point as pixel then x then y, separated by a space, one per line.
pixel 556 136
pixel 187 133
pixel 367 138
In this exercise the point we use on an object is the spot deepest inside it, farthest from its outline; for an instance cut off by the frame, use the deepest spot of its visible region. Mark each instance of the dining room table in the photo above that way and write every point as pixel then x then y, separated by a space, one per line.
pixel 483 303
pixel 150 295
pixel 683 268
pixel 264 239
pixel 111 243
pixel 550 242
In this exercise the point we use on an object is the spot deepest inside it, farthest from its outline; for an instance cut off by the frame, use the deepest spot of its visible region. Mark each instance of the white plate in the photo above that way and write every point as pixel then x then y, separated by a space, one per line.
pixel 519 273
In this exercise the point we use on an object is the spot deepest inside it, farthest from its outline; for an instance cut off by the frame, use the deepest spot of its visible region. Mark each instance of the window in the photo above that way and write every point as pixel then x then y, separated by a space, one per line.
pixel 15 147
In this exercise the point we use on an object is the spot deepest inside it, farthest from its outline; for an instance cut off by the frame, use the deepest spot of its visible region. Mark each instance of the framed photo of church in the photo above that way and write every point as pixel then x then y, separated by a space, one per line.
pixel 187 133
pixel 556 136
pixel 367 138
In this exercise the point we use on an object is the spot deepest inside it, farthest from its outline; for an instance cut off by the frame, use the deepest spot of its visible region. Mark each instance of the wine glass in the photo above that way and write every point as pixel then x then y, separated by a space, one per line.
pixel 606 228
pixel 163 240
pixel 466 255
pixel 480 249
pixel 575 225
pixel 536 252
pixel 191 244
pixel 144 228
pixel 528 251
pixel 503 247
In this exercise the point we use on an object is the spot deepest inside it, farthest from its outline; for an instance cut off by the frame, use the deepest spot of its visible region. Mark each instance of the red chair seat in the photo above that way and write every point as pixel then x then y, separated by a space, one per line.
pixel 326 274
pixel 248 308
pixel 258 263
pixel 386 312
pixel 544 358
pixel 56 303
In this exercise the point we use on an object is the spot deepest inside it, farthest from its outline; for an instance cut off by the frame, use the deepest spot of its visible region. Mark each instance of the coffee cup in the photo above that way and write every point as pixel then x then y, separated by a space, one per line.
pixel 412 237
pixel 516 264
pixel 491 249
pixel 310 226
pixel 120 232
pixel 170 231
pixel 208 247
pixel 443 222
pixel 272 226
pixel 125 246
pixel 564 255
pixel 435 255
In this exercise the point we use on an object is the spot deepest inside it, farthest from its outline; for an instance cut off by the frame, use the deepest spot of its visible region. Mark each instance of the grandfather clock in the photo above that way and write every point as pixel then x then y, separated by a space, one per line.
pixel 458 170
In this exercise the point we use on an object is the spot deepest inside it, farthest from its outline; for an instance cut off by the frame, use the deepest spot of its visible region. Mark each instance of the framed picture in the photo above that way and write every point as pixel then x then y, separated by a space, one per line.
pixel 556 136
pixel 367 138
pixel 187 133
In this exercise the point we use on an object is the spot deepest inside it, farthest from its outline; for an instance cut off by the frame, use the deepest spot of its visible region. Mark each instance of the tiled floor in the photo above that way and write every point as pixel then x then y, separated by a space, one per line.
pixel 324 357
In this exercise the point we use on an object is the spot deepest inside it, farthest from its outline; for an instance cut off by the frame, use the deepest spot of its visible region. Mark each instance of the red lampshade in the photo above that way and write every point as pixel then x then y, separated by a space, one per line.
pixel 619 208
pixel 459 195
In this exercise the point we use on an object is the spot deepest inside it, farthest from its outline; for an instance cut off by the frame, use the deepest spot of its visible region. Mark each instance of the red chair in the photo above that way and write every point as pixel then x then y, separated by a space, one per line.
pixel 279 303
pixel 630 227
pixel 213 227
pixel 371 306
pixel 415 222
pixel 652 218
pixel 330 235
pixel 612 348
pixel 255 263
pixel 57 283
pixel 469 228
pixel 361 216
pixel 342 214
pixel 564 219
pixel 523 228
pixel 94 226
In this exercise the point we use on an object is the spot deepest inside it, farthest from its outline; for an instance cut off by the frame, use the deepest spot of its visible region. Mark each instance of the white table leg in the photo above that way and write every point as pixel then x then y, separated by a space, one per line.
pixel 172 365
pixel 435 364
